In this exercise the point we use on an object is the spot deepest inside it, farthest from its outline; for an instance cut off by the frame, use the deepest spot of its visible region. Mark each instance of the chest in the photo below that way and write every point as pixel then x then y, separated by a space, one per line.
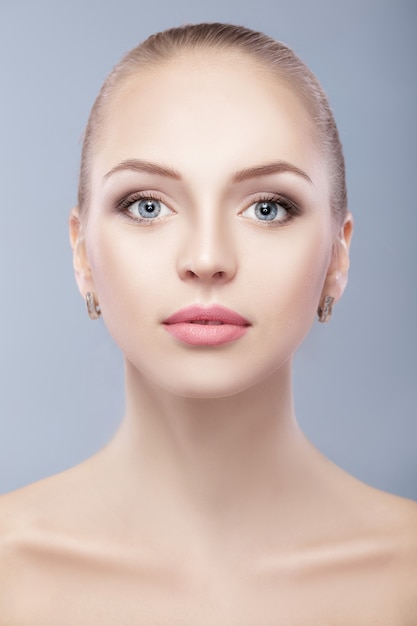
pixel 94 595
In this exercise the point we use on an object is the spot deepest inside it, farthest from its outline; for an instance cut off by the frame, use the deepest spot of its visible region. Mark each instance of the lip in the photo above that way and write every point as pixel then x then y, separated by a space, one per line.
pixel 206 325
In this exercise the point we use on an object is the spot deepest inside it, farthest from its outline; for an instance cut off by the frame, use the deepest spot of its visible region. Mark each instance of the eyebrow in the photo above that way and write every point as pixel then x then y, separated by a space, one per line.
pixel 137 165
pixel 276 167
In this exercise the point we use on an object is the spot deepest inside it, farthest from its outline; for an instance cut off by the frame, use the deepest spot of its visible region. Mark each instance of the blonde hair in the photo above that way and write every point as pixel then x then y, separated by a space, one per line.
pixel 275 56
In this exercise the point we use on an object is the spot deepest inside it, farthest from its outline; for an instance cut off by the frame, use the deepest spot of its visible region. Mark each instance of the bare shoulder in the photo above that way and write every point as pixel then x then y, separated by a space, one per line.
pixel 397 517
pixel 35 522
pixel 18 515
pixel 400 530
pixel 392 537
pixel 389 519
pixel 43 502
pixel 59 503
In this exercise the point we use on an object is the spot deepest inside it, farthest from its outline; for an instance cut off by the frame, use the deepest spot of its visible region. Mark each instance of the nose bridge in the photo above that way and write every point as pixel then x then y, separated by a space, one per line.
pixel 208 250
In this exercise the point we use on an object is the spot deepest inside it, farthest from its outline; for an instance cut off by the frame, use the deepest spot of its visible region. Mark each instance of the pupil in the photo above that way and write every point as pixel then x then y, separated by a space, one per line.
pixel 265 209
pixel 149 207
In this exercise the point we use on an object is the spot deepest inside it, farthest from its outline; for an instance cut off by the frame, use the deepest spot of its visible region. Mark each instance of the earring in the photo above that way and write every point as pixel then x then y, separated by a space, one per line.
pixel 325 310
pixel 93 308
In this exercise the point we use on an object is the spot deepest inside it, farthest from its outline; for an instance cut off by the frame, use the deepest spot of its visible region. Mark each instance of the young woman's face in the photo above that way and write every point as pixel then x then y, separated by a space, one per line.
pixel 208 190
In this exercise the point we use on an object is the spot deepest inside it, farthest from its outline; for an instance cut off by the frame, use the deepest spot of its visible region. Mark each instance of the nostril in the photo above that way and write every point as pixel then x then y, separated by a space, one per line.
pixel 206 265
pixel 219 275
pixel 191 274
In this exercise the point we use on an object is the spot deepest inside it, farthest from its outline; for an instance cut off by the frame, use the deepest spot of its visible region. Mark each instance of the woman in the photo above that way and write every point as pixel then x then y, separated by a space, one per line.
pixel 211 226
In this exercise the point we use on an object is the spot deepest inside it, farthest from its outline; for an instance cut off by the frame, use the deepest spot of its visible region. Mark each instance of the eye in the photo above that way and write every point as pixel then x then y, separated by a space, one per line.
pixel 147 209
pixel 271 210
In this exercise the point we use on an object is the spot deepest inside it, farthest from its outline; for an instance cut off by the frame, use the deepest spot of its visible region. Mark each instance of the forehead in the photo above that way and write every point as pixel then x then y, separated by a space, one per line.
pixel 208 109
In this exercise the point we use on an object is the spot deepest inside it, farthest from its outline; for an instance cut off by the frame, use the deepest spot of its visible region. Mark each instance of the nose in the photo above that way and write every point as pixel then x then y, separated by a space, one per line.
pixel 208 253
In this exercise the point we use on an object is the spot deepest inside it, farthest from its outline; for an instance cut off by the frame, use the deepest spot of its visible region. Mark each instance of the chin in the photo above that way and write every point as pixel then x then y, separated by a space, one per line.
pixel 220 382
pixel 207 389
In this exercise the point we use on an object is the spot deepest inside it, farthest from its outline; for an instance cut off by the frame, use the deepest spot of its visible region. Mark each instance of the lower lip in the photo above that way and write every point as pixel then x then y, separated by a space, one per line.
pixel 206 334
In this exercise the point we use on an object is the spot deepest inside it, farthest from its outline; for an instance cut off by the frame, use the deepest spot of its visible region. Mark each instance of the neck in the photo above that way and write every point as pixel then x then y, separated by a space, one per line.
pixel 207 439
pixel 207 462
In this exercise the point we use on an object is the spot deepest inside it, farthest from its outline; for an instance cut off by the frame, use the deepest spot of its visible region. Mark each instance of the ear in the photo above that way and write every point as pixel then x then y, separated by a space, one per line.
pixel 80 260
pixel 337 273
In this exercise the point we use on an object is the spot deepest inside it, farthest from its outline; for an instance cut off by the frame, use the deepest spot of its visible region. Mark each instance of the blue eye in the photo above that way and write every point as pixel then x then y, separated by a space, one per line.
pixel 148 209
pixel 268 211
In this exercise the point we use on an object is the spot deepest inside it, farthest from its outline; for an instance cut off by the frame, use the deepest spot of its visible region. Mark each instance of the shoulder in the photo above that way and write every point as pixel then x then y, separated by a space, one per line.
pixel 392 537
pixel 400 526
pixel 15 530
pixel 21 522
pixel 37 523
pixel 396 518
pixel 389 519
pixel 400 534
pixel 55 504
pixel 371 540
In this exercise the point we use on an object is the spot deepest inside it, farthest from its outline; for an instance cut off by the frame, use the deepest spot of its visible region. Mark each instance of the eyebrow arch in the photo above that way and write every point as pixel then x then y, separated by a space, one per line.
pixel 137 165
pixel 276 167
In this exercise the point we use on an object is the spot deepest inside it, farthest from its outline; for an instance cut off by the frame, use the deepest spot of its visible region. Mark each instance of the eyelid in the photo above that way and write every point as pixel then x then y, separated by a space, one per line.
pixel 131 198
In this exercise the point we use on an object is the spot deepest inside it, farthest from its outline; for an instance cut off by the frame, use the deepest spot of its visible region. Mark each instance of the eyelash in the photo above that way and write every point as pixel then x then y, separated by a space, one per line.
pixel 293 210
pixel 125 203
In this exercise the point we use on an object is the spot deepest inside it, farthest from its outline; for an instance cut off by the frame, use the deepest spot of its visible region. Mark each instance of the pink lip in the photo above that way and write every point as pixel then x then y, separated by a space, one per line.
pixel 206 326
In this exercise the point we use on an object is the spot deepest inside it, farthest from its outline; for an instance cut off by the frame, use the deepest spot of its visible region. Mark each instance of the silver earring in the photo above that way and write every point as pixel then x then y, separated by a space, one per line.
pixel 325 310
pixel 93 308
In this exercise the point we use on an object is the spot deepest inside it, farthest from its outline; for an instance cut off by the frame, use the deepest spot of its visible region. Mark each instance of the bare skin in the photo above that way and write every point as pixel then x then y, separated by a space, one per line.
pixel 315 548
pixel 209 506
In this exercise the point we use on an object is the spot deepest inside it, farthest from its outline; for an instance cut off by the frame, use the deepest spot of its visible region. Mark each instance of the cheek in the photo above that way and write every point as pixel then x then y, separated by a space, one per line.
pixel 126 274
pixel 291 268
pixel 128 283
pixel 137 286
pixel 288 284
pixel 122 254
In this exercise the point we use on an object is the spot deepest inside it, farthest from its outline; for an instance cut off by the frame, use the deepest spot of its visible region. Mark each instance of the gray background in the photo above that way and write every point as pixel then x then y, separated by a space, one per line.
pixel 61 376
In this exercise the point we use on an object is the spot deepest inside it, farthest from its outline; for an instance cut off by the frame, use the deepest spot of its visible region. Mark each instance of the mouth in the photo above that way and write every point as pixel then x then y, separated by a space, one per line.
pixel 212 315
pixel 207 322
pixel 206 325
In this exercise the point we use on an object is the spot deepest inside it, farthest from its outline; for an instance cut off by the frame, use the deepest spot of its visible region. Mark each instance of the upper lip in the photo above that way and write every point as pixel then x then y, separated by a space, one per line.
pixel 211 313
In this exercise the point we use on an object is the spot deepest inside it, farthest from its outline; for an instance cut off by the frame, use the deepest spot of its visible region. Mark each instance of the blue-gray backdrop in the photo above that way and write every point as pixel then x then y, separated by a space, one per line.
pixel 61 376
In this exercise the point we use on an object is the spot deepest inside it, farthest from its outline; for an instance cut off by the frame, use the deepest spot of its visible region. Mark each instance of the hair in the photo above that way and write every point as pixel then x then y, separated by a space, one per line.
pixel 274 56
